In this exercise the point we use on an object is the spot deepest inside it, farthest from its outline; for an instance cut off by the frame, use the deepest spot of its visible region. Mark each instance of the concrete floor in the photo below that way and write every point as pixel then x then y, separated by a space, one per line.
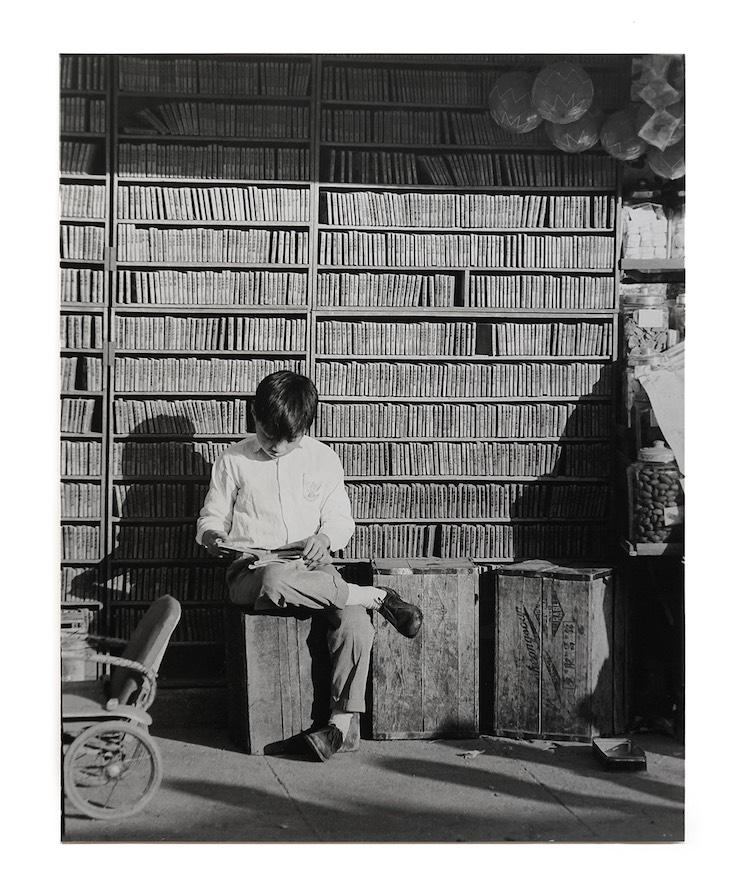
pixel 402 791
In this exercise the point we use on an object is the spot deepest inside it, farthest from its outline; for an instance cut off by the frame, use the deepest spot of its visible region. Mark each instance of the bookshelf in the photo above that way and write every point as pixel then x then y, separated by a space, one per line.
pixel 212 222
pixel 451 289
pixel 84 298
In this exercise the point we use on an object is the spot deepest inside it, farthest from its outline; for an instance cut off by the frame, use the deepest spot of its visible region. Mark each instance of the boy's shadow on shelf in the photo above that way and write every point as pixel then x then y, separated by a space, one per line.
pixel 580 539
pixel 133 503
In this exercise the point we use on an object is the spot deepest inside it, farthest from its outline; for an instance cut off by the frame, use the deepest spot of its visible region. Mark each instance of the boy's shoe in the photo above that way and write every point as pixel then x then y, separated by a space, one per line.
pixel 325 742
pixel 352 739
pixel 404 616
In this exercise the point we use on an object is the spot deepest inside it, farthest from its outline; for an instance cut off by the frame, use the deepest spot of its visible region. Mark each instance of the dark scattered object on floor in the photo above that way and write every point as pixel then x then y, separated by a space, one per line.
pixel 619 754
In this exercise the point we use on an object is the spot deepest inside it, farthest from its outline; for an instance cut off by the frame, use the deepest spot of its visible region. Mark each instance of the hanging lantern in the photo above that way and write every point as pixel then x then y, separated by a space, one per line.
pixel 661 128
pixel 619 135
pixel 652 80
pixel 668 163
pixel 510 104
pixel 562 92
pixel 579 135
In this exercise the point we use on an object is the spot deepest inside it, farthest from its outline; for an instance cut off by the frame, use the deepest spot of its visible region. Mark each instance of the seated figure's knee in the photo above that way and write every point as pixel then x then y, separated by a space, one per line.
pixel 270 585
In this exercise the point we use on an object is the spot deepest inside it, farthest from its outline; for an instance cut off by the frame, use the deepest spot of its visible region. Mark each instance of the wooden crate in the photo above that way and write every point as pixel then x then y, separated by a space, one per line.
pixel 78 620
pixel 427 687
pixel 278 672
pixel 559 666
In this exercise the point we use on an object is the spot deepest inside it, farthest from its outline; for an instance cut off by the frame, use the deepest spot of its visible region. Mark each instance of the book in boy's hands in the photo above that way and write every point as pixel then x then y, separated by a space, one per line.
pixel 280 556
pixel 261 557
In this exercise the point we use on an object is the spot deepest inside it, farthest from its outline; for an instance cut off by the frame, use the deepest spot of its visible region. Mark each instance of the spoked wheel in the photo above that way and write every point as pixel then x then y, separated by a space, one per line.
pixel 111 770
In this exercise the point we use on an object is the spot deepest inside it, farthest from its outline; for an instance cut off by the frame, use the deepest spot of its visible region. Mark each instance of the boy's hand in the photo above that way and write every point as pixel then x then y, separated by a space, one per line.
pixel 315 550
pixel 211 541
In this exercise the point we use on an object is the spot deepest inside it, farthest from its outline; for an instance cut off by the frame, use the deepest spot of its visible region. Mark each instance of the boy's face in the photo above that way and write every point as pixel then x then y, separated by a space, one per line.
pixel 273 447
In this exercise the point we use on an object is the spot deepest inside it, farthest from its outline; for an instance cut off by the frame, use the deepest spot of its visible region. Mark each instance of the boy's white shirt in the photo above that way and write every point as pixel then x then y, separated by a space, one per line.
pixel 268 503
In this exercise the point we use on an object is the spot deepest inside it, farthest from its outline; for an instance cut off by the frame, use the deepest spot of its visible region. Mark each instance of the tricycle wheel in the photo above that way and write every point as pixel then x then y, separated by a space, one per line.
pixel 111 770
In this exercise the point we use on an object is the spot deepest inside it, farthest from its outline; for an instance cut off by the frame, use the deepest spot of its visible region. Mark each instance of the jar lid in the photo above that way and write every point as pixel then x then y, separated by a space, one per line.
pixel 659 452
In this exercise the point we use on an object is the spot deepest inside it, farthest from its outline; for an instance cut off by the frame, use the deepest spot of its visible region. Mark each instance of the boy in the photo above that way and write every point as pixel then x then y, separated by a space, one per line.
pixel 281 488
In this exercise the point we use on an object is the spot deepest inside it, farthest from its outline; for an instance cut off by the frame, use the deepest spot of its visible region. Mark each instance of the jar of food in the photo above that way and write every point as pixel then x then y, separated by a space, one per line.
pixel 678 320
pixel 656 496
pixel 645 320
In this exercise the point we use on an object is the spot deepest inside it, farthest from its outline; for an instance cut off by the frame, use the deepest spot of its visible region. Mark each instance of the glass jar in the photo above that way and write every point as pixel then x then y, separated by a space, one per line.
pixel 645 320
pixel 678 320
pixel 656 496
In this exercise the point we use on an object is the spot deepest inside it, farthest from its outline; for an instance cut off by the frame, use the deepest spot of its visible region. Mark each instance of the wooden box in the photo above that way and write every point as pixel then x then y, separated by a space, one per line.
pixel 77 621
pixel 278 675
pixel 427 687
pixel 559 666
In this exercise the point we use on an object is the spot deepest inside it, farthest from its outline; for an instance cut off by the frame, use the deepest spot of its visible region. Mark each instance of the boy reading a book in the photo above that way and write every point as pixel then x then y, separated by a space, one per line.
pixel 281 489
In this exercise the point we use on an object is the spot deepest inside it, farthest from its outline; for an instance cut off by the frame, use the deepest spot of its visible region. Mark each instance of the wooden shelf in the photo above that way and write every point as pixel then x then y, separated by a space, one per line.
pixel 445 61
pixel 86 562
pixel 530 479
pixel 400 104
pixel 436 147
pixel 400 228
pixel 129 479
pixel 207 224
pixel 156 560
pixel 228 98
pixel 71 91
pixel 145 179
pixel 89 307
pixel 179 436
pixel 221 309
pixel 475 358
pixel 95 478
pixel 489 519
pixel 185 603
pixel 154 519
pixel 81 135
pixel 81 351
pixel 653 265
pixel 81 393
pixel 671 550
pixel 330 439
pixel 434 269
pixel 81 262
pixel 455 188
pixel 177 352
pixel 484 560
pixel 458 312
pixel 83 178
pixel 398 398
pixel 99 221
pixel 206 265
pixel 214 395
pixel 198 138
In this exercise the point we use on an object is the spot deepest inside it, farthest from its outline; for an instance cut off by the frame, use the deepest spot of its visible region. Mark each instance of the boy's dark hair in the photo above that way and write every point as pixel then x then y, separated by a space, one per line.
pixel 285 405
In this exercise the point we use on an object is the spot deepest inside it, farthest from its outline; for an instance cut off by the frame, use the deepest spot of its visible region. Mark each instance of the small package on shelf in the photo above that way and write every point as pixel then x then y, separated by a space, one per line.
pixel 645 231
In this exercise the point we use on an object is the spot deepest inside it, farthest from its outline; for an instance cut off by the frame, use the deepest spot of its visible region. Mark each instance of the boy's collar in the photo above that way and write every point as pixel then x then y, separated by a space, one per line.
pixel 256 447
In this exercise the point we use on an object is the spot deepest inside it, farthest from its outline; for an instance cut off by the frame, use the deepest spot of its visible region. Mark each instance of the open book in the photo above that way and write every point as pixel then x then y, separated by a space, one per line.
pixel 285 554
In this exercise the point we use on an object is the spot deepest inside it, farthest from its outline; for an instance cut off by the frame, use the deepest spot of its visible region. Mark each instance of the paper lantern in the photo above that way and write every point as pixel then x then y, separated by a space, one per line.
pixel 579 135
pixel 562 92
pixel 668 163
pixel 619 136
pixel 510 104
pixel 661 128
